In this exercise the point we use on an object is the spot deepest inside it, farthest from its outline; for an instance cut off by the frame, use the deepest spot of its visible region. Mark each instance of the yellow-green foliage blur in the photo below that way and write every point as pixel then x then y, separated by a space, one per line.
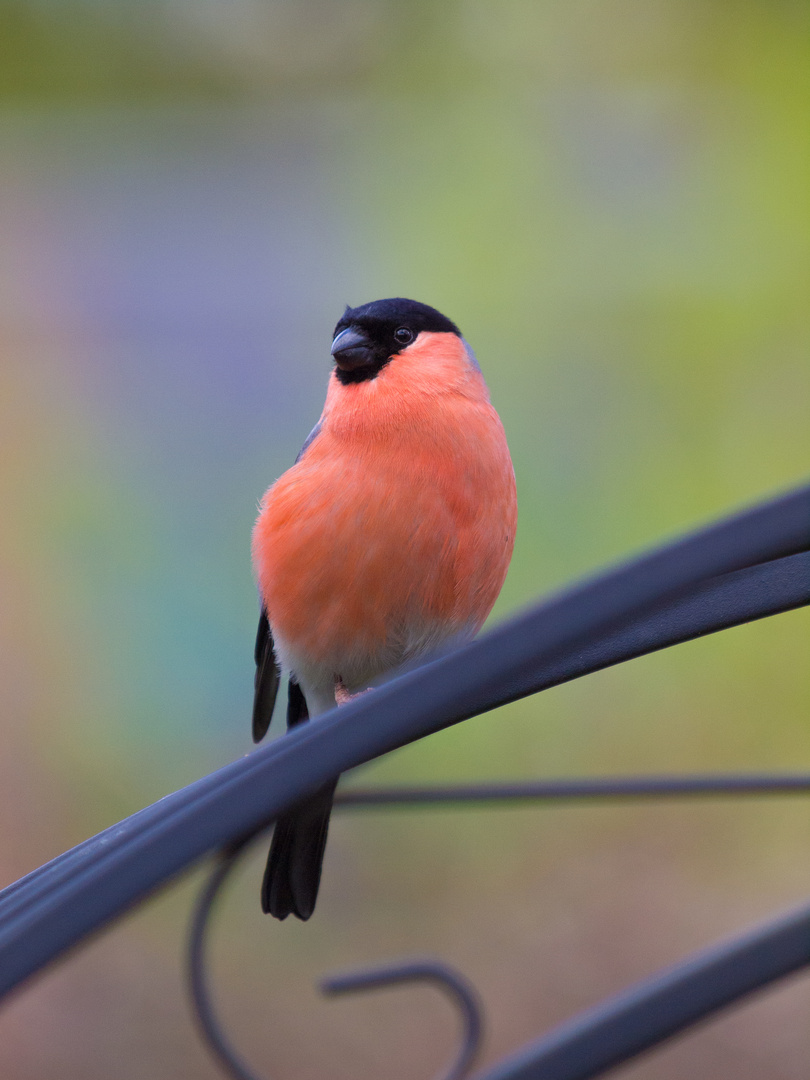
pixel 612 199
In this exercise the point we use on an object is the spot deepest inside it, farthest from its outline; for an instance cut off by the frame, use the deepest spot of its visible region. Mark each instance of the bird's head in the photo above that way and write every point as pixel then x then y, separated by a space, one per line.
pixel 366 338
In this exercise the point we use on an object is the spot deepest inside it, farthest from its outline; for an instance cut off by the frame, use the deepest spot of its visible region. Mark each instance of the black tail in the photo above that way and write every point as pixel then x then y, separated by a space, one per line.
pixel 293 873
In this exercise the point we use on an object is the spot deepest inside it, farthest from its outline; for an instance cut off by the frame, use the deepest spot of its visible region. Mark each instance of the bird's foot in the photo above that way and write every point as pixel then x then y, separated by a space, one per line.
pixel 342 695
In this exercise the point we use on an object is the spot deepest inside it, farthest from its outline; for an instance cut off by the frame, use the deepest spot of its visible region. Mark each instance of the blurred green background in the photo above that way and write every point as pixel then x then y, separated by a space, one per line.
pixel 612 199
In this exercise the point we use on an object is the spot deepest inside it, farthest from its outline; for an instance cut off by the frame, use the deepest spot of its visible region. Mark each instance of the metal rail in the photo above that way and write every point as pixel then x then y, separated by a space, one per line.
pixel 731 785
pixel 754 592
pixel 664 1005
pixel 619 1028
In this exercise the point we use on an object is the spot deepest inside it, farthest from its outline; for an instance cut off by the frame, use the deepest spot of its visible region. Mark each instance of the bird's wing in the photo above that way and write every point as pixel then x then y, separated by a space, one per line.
pixel 267 679
pixel 310 439
pixel 267 669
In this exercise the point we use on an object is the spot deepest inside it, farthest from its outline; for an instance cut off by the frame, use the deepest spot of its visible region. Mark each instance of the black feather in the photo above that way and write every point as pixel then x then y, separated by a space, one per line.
pixel 293 873
pixel 382 315
pixel 297 711
pixel 266 680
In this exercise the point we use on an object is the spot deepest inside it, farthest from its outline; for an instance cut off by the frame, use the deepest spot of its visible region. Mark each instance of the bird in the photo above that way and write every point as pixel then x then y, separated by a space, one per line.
pixel 389 538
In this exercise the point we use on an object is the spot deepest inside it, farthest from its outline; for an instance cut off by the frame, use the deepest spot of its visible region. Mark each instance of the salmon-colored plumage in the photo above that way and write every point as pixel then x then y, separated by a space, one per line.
pixel 394 530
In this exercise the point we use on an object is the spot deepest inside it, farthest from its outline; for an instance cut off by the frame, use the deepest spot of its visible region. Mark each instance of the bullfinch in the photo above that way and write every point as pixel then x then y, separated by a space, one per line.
pixel 390 536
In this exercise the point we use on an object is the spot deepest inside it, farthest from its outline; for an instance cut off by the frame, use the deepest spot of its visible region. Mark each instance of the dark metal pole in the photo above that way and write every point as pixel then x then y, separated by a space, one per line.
pixel 664 1005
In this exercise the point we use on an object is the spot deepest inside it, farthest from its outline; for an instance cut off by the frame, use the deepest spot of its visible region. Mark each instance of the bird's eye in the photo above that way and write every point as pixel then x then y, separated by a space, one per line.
pixel 403 335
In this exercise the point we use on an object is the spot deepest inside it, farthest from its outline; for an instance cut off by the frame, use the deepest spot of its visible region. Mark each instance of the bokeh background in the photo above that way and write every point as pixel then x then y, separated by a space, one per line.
pixel 611 197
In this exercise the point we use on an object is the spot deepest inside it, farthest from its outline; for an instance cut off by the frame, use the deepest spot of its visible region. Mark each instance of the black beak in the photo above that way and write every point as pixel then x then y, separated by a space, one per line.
pixel 352 349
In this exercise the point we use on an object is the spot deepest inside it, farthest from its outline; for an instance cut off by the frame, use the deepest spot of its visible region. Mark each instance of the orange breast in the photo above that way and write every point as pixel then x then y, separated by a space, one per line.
pixel 397 525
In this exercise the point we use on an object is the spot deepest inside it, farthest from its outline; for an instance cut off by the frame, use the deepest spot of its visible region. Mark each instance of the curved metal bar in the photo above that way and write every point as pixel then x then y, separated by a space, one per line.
pixel 721 602
pixel 49 914
pixel 460 992
pixel 456 987
pixel 663 1005
pixel 754 592
pixel 209 1025
pixel 731 785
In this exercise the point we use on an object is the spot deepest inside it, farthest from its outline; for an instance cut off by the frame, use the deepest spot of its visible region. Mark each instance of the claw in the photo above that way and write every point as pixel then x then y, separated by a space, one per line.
pixel 342 695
